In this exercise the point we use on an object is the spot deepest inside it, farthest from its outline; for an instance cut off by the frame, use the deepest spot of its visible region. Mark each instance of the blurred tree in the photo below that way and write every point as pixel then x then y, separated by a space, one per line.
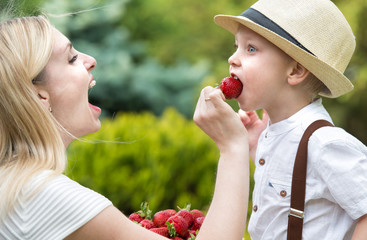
pixel 174 48
pixel 128 78
pixel 348 111
pixel 186 30
pixel 21 7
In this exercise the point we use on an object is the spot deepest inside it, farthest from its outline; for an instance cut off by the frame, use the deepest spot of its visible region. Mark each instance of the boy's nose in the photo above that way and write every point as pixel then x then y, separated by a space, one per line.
pixel 233 60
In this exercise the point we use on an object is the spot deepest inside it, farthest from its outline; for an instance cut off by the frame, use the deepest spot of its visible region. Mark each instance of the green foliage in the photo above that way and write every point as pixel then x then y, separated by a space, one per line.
pixel 167 161
pixel 188 24
pixel 10 8
pixel 348 111
pixel 128 78
pixel 185 29
pixel 145 49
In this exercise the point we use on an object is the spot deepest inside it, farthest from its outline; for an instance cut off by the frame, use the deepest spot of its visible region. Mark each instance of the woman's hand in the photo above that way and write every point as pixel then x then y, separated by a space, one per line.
pixel 226 217
pixel 218 120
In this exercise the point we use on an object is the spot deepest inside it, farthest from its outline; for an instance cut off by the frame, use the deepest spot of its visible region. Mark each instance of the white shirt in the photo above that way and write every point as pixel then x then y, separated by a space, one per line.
pixel 336 185
pixel 59 209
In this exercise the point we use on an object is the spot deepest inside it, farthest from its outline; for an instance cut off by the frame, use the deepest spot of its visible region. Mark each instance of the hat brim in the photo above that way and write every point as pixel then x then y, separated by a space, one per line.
pixel 334 80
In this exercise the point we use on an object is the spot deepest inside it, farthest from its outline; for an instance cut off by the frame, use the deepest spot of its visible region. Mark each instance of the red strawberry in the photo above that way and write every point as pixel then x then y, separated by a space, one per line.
pixel 171 211
pixel 180 225
pixel 148 224
pixel 197 223
pixel 135 217
pixel 189 218
pixel 177 238
pixel 161 231
pixel 231 87
pixel 143 213
pixel 197 213
pixel 186 214
pixel 161 217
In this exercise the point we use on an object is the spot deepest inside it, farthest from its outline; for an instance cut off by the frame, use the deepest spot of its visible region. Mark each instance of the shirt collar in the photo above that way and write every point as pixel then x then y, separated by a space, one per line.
pixel 308 114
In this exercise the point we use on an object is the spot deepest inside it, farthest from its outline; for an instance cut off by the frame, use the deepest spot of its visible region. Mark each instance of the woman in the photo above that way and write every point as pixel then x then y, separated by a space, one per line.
pixel 44 106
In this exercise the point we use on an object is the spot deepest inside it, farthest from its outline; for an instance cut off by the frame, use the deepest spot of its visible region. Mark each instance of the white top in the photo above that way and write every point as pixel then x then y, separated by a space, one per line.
pixel 59 209
pixel 336 185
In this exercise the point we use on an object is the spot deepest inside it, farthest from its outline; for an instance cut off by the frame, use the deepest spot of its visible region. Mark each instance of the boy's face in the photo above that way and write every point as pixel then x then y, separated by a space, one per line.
pixel 262 68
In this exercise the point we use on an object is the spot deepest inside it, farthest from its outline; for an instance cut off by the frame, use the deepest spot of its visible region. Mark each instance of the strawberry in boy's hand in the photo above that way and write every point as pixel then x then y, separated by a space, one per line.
pixel 231 87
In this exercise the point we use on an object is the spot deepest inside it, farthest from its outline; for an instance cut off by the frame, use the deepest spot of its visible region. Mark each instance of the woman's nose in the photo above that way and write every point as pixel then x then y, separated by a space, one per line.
pixel 89 62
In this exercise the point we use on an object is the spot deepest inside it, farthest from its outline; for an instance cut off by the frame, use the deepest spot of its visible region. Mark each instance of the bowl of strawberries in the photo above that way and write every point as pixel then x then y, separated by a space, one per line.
pixel 180 224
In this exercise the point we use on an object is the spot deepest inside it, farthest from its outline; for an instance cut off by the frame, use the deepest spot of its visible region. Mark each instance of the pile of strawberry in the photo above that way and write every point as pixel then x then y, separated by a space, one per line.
pixel 183 224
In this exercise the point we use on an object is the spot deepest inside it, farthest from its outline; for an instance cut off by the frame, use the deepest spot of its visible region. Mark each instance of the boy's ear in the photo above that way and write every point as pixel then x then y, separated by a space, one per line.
pixel 298 74
pixel 44 97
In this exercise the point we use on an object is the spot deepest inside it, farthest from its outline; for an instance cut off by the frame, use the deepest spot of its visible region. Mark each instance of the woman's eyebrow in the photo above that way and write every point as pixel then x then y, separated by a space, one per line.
pixel 68 46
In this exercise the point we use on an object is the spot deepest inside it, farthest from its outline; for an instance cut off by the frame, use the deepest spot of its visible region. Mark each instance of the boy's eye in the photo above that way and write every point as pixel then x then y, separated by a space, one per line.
pixel 73 59
pixel 251 49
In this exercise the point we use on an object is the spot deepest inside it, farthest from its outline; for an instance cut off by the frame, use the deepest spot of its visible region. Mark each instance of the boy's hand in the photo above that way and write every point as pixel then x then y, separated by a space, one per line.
pixel 254 126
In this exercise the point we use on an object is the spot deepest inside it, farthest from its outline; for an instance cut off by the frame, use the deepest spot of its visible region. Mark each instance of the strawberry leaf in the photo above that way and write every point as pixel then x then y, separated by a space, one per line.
pixel 145 211
pixel 171 229
pixel 192 237
pixel 187 207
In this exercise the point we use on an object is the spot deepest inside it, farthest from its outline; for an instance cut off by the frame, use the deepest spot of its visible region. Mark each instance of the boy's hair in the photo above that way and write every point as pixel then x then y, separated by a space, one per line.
pixel 313 85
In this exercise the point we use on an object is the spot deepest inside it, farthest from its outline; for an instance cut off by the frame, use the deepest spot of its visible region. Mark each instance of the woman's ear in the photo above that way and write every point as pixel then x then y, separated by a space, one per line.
pixel 298 74
pixel 45 98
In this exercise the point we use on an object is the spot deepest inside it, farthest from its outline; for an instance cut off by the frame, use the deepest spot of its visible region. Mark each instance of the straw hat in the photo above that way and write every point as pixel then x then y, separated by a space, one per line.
pixel 313 32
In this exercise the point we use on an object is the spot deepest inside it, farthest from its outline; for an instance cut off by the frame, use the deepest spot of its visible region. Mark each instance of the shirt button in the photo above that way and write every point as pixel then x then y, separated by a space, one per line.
pixel 283 193
pixel 254 208
pixel 261 161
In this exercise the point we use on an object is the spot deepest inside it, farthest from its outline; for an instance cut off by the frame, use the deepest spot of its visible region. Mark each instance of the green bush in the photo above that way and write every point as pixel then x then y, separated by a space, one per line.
pixel 165 160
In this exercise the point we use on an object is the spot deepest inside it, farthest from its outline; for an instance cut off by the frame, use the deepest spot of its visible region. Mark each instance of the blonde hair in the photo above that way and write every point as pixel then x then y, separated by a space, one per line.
pixel 30 140
pixel 313 86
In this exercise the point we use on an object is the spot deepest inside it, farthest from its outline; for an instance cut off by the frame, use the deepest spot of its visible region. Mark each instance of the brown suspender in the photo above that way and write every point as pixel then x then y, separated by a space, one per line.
pixel 295 219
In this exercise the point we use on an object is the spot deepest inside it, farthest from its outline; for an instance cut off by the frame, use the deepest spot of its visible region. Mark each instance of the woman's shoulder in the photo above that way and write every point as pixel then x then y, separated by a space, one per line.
pixel 64 195
pixel 59 208
pixel 60 188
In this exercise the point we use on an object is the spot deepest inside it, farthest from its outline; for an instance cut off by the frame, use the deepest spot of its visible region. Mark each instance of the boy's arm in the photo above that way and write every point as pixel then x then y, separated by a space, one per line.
pixel 254 126
pixel 361 229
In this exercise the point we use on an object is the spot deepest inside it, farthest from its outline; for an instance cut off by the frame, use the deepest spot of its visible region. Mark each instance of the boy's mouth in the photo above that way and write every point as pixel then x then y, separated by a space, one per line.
pixel 235 77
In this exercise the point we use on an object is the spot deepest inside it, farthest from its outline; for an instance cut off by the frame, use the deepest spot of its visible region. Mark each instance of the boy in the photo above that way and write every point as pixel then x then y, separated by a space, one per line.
pixel 287 53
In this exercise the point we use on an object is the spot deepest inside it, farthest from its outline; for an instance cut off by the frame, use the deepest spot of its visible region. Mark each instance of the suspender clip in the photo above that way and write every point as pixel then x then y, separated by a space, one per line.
pixel 296 213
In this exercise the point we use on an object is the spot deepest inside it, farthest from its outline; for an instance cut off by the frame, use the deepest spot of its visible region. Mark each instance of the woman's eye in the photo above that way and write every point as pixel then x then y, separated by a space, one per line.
pixel 73 59
pixel 251 49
